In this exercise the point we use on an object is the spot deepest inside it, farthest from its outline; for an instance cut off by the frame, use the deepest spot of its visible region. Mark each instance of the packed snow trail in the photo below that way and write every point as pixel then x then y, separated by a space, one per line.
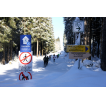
pixel 63 72
pixel 40 75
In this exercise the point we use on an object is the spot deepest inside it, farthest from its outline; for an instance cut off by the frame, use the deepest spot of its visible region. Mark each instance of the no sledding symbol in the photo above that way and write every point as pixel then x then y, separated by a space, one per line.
pixel 25 58
pixel 23 77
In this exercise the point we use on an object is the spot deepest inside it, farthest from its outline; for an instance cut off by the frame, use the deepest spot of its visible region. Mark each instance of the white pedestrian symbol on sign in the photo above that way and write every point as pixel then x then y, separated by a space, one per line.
pixel 25 40
pixel 25 58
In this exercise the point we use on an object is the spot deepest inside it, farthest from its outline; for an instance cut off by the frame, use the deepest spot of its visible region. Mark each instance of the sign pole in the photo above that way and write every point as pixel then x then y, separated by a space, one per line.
pixel 78 58
pixel 78 63
pixel 25 57
pixel 78 26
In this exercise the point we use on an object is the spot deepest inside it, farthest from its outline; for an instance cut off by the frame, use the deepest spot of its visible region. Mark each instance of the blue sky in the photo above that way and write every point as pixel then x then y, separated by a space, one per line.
pixel 58 28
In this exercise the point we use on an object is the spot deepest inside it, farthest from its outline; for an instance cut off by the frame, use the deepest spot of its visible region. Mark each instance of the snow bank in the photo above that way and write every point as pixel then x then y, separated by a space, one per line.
pixel 88 63
pixel 94 64
pixel 97 63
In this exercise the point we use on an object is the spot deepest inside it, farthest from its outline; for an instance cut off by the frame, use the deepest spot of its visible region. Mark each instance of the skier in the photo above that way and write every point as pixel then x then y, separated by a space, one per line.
pixel 58 55
pixel 54 57
pixel 47 58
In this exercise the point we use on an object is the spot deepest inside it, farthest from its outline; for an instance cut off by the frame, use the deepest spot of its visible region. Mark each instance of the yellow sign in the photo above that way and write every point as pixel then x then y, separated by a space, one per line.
pixel 78 48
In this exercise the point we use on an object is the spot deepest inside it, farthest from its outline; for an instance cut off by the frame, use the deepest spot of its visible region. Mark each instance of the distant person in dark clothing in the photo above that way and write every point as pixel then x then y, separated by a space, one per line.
pixel 54 57
pixel 44 61
pixel 47 58
pixel 57 56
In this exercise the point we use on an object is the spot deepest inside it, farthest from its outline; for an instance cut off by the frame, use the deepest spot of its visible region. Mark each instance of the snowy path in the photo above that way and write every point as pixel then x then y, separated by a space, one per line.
pixel 41 76
pixel 61 73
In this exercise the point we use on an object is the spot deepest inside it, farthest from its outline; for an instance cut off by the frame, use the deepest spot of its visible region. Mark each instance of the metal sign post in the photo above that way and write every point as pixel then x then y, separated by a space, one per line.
pixel 78 63
pixel 25 58
pixel 78 58
pixel 78 26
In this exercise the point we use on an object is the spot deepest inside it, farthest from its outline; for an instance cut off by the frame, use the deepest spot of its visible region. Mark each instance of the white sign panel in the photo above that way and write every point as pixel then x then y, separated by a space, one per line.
pixel 80 55
pixel 78 26
pixel 25 61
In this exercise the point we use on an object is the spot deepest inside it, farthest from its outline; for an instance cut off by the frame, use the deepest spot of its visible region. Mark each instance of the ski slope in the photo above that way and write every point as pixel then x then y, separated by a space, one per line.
pixel 63 72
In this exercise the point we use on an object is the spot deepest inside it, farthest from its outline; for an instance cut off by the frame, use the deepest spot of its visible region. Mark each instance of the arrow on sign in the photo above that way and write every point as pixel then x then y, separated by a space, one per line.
pixel 86 48
pixel 78 28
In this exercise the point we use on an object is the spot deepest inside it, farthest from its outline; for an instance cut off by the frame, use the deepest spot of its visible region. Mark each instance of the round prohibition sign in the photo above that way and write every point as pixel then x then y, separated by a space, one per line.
pixel 24 76
pixel 25 58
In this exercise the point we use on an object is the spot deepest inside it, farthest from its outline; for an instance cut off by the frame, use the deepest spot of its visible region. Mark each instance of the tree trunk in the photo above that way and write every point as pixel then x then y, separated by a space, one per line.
pixel 37 47
pixel 17 51
pixel 90 37
pixel 34 48
pixel 93 47
pixel 39 52
pixel 42 52
pixel 42 48
pixel 98 49
pixel 101 38
pixel 3 59
pixel 8 54
pixel 24 27
pixel 11 45
pixel 103 59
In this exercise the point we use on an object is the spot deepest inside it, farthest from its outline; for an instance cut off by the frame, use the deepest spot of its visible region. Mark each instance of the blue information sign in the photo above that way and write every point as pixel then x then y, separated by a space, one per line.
pixel 25 43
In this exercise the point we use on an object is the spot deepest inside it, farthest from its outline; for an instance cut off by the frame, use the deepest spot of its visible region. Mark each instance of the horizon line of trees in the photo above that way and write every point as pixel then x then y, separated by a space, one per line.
pixel 57 44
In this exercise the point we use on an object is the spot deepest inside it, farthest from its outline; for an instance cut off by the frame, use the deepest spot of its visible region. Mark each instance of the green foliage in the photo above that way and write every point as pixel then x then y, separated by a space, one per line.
pixel 40 28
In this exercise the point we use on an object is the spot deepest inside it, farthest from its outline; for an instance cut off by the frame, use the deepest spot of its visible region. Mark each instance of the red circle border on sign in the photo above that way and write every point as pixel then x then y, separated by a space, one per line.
pixel 22 73
pixel 29 61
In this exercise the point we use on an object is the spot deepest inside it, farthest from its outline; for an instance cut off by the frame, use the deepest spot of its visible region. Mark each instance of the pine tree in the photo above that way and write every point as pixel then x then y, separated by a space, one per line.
pixel 103 57
pixel 43 33
pixel 64 41
pixel 40 29
pixel 6 31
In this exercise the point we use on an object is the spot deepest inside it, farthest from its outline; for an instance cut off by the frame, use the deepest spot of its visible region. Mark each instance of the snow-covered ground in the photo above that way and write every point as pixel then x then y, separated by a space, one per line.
pixel 63 72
